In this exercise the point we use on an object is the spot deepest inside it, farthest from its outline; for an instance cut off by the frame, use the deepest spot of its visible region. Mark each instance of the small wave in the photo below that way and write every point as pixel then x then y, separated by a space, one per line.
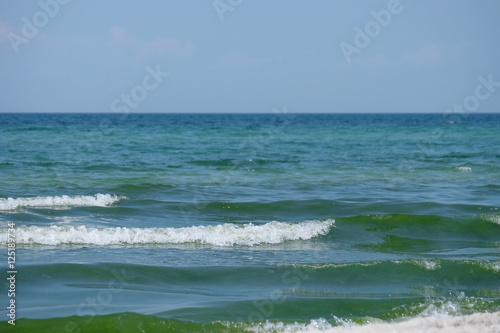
pixel 319 266
pixel 442 318
pixel 491 265
pixel 491 218
pixel 464 169
pixel 220 235
pixel 314 325
pixel 98 200
pixel 134 322
pixel 426 264
pixel 477 322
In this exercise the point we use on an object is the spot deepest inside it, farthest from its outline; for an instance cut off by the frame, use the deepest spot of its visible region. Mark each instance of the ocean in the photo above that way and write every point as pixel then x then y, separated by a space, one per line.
pixel 246 222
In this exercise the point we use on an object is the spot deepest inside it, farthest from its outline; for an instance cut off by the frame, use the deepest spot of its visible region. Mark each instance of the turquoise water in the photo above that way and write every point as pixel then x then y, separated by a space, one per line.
pixel 225 222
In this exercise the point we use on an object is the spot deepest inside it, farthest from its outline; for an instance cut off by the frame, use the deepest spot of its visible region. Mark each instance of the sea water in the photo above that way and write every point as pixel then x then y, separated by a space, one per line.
pixel 247 222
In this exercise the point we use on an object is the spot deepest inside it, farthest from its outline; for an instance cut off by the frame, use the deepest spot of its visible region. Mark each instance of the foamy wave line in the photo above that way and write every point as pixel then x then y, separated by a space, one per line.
pixel 220 235
pixel 315 325
pixel 491 218
pixel 426 264
pixel 477 322
pixel 98 200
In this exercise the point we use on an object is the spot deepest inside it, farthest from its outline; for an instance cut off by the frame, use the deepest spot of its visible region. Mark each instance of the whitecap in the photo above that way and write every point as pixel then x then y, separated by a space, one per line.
pixel 218 235
pixel 491 218
pixel 98 200
pixel 464 169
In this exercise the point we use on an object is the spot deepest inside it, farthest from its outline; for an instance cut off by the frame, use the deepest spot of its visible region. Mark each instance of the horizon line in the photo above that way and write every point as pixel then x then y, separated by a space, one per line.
pixel 236 113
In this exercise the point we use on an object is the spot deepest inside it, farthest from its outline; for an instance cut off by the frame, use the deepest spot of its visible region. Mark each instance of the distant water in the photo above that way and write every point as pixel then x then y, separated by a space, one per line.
pixel 221 222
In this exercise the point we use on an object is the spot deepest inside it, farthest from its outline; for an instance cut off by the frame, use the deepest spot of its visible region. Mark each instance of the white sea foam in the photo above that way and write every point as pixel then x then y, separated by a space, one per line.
pixel 98 200
pixel 331 265
pixel 219 235
pixel 427 264
pixel 491 218
pixel 478 322
pixel 314 325
pixel 493 265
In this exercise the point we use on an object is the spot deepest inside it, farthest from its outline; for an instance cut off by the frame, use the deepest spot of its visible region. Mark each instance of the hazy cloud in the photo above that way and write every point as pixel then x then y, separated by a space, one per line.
pixel 167 46
pixel 435 54
pixel 368 62
pixel 235 58
pixel 119 38
pixel 158 47
pixel 4 31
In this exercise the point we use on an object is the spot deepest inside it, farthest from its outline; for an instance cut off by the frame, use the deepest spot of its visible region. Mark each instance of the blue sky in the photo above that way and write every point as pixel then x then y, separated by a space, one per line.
pixel 249 56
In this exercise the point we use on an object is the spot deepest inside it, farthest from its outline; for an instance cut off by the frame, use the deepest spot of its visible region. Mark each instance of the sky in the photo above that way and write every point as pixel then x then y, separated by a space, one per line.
pixel 304 56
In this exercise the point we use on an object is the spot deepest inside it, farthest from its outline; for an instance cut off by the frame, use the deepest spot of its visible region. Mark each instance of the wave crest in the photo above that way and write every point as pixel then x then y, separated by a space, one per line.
pixel 220 235
pixel 98 200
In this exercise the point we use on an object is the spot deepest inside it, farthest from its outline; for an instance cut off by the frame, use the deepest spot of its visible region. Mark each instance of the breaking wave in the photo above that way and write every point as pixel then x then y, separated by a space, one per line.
pixel 98 200
pixel 219 235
